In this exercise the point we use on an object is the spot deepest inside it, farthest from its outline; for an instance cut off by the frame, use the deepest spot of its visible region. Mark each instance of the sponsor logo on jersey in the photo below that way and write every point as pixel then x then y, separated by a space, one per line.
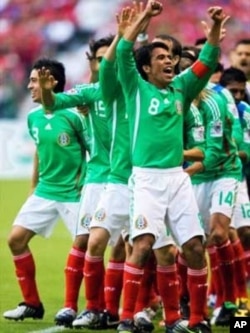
pixel 48 127
pixel 85 221
pixel 63 139
pixel 178 106
pixel 141 222
pixel 100 215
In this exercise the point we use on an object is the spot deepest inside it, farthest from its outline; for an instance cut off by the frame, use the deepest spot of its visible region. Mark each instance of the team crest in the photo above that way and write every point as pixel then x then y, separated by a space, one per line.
pixel 178 106
pixel 85 221
pixel 141 222
pixel 100 215
pixel 63 139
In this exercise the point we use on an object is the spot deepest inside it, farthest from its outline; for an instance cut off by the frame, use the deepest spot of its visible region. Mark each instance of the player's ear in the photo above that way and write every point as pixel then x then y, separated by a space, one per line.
pixel 146 69
pixel 176 59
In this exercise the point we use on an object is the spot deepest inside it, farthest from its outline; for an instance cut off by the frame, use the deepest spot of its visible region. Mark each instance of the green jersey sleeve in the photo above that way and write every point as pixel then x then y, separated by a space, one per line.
pixel 194 136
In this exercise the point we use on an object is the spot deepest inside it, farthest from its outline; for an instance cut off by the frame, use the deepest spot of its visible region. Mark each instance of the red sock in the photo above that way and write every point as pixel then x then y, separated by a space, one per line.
pixel 113 285
pixel 215 278
pixel 73 277
pixel 94 280
pixel 131 284
pixel 182 273
pixel 147 280
pixel 197 286
pixel 247 263
pixel 226 265
pixel 25 273
pixel 168 286
pixel 239 270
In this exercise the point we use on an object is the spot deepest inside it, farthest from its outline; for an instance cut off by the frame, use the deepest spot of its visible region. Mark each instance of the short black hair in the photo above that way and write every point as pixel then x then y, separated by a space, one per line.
pixel 176 48
pixel 94 45
pixel 143 56
pixel 200 41
pixel 56 69
pixel 245 41
pixel 232 74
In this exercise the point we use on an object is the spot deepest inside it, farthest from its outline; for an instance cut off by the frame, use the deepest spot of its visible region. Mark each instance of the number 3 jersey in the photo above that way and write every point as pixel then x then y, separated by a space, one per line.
pixel 59 139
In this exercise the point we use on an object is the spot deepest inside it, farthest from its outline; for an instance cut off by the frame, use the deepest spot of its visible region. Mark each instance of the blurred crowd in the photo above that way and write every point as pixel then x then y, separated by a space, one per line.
pixel 63 28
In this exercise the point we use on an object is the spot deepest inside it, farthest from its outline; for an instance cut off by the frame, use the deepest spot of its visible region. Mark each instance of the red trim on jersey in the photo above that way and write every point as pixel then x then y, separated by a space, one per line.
pixel 200 69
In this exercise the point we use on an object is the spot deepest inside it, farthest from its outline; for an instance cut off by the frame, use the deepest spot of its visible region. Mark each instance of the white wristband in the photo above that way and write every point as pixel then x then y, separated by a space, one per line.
pixel 142 37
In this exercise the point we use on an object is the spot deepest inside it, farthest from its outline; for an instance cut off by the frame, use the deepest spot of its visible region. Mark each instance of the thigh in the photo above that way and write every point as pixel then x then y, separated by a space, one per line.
pixel 224 194
pixel 90 197
pixel 112 212
pixel 69 212
pixel 148 204
pixel 184 218
pixel 38 215
pixel 241 213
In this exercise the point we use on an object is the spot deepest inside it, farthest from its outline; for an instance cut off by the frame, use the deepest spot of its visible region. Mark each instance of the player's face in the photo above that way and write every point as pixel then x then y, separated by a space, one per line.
pixel 169 44
pixel 161 70
pixel 238 90
pixel 241 58
pixel 100 54
pixel 34 86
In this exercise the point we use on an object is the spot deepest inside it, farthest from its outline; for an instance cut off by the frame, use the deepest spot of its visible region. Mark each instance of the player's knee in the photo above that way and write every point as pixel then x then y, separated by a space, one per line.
pixel 16 243
pixel 194 252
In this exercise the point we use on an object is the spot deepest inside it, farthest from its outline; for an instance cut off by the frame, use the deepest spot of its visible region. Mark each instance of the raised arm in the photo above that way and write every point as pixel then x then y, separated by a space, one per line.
pixel 153 8
pixel 219 18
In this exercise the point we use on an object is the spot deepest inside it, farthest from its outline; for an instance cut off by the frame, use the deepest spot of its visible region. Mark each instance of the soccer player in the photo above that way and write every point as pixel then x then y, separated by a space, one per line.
pixel 56 184
pixel 112 214
pixel 215 182
pixel 235 81
pixel 155 104
pixel 98 168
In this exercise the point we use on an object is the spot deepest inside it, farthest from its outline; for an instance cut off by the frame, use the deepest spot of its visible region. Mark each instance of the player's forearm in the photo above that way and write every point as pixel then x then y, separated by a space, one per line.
pixel 35 174
pixel 111 51
pixel 213 37
pixel 194 154
pixel 48 98
pixel 137 27
pixel 194 168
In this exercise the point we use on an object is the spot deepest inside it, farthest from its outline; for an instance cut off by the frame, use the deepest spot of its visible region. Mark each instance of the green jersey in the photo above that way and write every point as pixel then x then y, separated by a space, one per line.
pixel 113 98
pixel 156 115
pixel 59 139
pixel 98 139
pixel 194 135
pixel 244 144
pixel 221 155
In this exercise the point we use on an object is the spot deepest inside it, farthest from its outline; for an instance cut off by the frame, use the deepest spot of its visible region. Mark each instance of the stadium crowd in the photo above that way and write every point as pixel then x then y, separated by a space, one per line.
pixel 150 155
pixel 29 29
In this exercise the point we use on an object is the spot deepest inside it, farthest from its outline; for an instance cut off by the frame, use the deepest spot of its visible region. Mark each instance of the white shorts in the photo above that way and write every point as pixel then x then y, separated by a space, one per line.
pixel 241 214
pixel 90 196
pixel 216 197
pixel 163 201
pixel 112 212
pixel 41 215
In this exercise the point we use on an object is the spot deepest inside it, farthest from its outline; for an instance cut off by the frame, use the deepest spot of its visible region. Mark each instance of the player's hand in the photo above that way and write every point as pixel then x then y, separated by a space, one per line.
pixel 46 79
pixel 83 109
pixel 125 19
pixel 153 8
pixel 217 14
pixel 207 28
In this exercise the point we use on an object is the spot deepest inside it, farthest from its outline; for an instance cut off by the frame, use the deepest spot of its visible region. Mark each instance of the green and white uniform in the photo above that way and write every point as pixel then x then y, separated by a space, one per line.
pixel 98 138
pixel 160 186
pixel 216 187
pixel 241 214
pixel 112 212
pixel 60 146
